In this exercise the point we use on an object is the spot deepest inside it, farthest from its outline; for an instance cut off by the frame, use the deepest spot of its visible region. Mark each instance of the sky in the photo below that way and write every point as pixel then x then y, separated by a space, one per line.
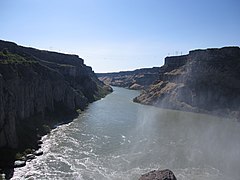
pixel 116 35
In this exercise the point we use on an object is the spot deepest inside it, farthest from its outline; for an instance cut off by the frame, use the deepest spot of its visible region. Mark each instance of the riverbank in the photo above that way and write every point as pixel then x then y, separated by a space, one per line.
pixel 39 89
pixel 115 138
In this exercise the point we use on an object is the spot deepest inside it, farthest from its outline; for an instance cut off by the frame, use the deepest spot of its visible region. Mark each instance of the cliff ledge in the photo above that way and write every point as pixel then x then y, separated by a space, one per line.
pixel 206 81
pixel 39 89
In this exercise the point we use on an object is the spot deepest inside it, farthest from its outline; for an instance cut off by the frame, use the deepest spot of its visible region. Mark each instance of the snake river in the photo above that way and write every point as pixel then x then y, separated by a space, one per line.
pixel 117 139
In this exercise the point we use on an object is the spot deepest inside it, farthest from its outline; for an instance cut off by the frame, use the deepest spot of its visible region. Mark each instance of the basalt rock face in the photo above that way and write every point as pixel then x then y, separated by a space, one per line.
pixel 140 79
pixel 206 81
pixel 35 86
pixel 137 79
pixel 159 175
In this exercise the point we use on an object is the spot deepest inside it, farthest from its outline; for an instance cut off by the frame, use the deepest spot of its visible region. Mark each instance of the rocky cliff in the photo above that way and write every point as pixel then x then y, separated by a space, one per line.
pixel 141 78
pixel 137 79
pixel 203 81
pixel 39 89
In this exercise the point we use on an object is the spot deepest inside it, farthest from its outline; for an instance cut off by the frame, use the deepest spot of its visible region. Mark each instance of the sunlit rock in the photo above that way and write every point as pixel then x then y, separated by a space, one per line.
pixel 38 153
pixel 19 163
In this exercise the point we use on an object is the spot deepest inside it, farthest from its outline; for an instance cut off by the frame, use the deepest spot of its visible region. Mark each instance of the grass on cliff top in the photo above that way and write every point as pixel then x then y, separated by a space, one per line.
pixel 10 58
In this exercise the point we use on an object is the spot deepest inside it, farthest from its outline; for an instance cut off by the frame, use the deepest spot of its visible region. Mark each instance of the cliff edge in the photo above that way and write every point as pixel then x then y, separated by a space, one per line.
pixel 137 79
pixel 206 81
pixel 39 89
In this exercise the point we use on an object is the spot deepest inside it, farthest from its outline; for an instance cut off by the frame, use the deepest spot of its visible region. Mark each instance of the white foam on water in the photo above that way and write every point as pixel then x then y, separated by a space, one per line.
pixel 104 144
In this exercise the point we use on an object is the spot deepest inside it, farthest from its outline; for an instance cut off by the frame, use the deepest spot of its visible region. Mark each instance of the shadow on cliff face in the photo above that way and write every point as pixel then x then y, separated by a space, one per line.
pixel 7 162
pixel 29 133
pixel 39 90
pixel 36 126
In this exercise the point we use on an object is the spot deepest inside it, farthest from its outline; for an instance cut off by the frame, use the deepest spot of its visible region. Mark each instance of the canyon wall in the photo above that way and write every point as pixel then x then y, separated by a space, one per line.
pixel 39 88
pixel 206 81
pixel 137 79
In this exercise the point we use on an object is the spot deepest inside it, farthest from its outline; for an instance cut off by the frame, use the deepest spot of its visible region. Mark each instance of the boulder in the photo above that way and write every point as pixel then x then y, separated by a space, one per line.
pixel 19 163
pixel 39 142
pixel 38 153
pixel 159 175
pixel 30 156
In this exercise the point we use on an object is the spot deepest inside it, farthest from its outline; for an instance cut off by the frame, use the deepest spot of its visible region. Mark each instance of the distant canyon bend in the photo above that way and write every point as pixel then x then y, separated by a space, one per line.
pixel 204 81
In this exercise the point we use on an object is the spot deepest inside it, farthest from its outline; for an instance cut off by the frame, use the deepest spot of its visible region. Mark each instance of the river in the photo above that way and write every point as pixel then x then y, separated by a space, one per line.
pixel 116 139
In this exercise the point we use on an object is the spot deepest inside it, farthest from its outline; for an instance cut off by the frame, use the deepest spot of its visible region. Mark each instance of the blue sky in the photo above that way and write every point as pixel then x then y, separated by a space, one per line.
pixel 114 35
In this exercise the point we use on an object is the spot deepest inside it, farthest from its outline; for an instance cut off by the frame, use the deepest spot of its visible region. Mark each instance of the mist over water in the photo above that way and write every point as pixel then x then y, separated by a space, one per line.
pixel 116 139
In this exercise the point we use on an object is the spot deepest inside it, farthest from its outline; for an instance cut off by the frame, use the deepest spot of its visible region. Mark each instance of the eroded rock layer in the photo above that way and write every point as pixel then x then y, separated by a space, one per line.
pixel 203 81
pixel 137 79
pixel 39 89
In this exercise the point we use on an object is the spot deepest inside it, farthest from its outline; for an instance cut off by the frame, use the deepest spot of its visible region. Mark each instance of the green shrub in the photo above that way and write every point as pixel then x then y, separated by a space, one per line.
pixel 19 156
pixel 28 151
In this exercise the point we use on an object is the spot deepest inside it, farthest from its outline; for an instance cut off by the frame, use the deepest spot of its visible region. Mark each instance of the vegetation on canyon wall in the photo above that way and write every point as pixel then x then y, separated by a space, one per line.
pixel 39 89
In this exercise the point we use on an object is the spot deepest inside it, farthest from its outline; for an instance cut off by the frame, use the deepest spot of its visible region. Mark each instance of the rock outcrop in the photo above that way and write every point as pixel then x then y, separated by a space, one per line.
pixel 205 81
pixel 36 88
pixel 141 79
pixel 159 175
pixel 137 79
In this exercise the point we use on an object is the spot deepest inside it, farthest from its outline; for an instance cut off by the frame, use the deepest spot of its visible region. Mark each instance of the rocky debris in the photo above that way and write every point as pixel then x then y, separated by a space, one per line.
pixel 206 81
pixel 39 142
pixel 19 163
pixel 159 175
pixel 38 153
pixel 30 156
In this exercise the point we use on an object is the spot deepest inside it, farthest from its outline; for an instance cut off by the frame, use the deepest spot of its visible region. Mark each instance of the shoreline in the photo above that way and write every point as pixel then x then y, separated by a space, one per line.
pixel 54 121
pixel 16 158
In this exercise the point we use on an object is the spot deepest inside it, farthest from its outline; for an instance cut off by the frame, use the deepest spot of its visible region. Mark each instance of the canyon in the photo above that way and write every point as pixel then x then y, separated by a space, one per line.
pixel 38 90
pixel 205 81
